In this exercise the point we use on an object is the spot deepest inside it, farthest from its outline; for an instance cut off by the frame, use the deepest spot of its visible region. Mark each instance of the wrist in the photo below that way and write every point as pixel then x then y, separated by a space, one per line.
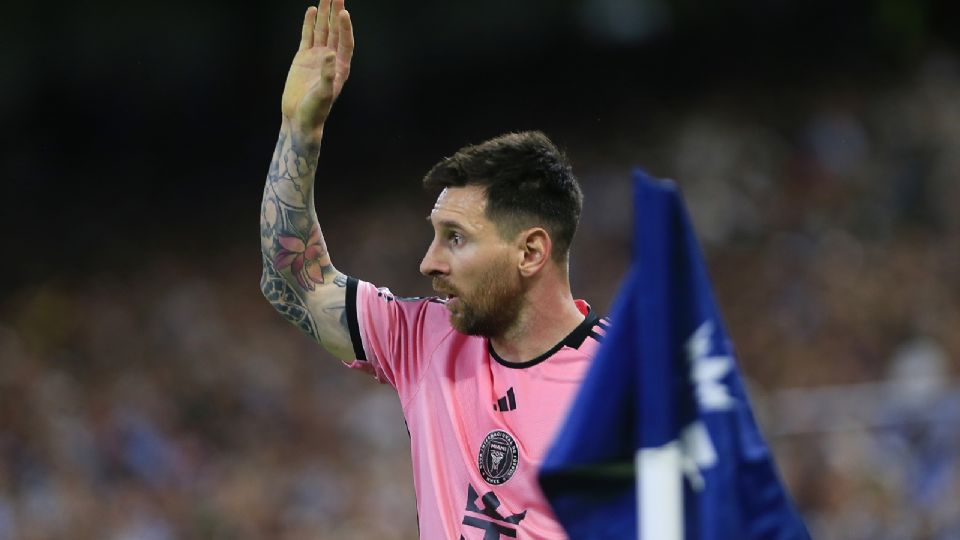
pixel 301 130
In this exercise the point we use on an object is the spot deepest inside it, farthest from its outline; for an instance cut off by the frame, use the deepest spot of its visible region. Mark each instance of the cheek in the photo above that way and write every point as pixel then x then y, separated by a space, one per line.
pixel 499 276
pixel 479 270
pixel 469 264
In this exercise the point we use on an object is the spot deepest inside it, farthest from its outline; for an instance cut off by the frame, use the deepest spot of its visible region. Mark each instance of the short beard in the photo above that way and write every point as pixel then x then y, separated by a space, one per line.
pixel 492 309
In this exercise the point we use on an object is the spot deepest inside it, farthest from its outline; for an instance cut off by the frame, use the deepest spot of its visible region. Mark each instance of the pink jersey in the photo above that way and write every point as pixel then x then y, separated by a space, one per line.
pixel 479 427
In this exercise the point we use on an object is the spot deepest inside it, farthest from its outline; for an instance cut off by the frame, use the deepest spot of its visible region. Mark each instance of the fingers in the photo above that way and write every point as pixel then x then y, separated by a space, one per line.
pixel 334 40
pixel 306 34
pixel 322 31
pixel 345 46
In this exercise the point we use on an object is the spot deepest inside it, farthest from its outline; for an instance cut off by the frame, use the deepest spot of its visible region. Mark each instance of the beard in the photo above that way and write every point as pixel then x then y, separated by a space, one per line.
pixel 490 309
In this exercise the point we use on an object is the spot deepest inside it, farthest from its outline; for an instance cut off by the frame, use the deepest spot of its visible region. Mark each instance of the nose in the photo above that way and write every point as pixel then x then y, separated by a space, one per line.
pixel 433 264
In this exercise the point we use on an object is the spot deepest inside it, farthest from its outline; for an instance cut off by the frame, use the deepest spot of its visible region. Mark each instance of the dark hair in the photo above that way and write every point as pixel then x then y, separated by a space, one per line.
pixel 528 182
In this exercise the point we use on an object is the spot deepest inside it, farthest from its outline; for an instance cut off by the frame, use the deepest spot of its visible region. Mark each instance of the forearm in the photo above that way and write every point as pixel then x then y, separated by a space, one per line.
pixel 287 209
pixel 298 278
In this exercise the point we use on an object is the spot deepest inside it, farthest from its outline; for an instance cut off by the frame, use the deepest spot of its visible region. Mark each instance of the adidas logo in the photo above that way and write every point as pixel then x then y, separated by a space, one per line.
pixel 507 402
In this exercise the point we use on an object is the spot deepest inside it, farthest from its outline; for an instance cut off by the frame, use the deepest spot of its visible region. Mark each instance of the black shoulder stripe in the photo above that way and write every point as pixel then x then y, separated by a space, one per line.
pixel 352 323
pixel 580 333
pixel 604 323
pixel 596 336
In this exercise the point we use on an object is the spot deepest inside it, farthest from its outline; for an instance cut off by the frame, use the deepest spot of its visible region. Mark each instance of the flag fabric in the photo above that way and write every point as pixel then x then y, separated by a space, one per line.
pixel 660 442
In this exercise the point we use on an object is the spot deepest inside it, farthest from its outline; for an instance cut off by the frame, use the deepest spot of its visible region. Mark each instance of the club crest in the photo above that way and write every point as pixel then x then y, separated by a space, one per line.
pixel 498 457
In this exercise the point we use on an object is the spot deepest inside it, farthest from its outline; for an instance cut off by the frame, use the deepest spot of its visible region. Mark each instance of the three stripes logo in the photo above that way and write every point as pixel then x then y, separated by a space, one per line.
pixel 600 329
pixel 507 402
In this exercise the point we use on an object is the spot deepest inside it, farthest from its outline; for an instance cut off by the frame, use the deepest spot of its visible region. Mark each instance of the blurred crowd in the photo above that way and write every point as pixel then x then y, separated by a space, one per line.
pixel 169 401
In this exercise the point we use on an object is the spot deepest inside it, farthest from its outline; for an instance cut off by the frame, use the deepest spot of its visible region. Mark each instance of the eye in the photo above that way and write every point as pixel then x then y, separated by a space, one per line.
pixel 455 238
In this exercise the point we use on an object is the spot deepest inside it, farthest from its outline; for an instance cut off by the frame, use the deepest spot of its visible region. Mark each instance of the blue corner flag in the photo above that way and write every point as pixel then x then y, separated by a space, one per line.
pixel 660 443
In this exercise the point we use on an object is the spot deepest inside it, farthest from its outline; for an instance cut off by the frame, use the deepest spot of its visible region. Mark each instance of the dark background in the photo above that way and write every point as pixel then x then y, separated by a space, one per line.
pixel 148 391
pixel 133 127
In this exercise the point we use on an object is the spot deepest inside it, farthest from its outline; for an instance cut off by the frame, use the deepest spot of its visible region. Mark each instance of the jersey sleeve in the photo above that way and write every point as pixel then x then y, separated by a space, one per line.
pixel 393 337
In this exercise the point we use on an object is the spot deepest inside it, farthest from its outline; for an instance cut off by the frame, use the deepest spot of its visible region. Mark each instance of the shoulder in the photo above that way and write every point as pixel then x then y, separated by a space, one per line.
pixel 590 332
pixel 431 305
pixel 397 335
pixel 599 328
pixel 378 305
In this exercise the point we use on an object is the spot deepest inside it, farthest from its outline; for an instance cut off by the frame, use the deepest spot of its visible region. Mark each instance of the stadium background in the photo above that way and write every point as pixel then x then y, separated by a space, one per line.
pixel 147 391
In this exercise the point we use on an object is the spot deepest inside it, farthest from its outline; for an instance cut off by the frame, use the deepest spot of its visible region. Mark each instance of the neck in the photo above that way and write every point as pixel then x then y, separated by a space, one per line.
pixel 547 316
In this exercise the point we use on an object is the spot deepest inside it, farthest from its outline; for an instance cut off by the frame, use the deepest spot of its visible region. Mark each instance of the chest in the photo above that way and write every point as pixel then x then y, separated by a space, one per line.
pixel 477 395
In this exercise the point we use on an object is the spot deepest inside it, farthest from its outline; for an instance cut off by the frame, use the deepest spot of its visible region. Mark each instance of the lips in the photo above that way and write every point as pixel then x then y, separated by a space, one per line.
pixel 444 291
pixel 445 294
pixel 451 298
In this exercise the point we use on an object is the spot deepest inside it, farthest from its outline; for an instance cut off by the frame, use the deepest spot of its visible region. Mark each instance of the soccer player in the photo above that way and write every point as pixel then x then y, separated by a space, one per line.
pixel 486 371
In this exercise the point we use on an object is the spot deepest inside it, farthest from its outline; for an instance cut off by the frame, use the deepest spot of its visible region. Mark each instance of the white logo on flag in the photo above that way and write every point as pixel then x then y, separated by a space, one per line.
pixel 697 453
pixel 706 372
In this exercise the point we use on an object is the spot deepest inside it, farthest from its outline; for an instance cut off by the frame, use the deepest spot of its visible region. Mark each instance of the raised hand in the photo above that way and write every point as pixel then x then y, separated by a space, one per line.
pixel 320 67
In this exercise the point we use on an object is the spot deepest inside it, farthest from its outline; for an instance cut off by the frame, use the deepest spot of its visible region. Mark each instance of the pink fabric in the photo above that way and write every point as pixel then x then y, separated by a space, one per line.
pixel 452 389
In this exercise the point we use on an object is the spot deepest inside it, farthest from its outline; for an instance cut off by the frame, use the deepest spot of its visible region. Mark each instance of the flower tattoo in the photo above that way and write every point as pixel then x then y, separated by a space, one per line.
pixel 302 258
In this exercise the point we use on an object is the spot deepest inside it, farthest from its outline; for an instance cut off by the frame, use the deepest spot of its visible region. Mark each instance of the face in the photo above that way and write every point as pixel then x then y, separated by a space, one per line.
pixel 472 264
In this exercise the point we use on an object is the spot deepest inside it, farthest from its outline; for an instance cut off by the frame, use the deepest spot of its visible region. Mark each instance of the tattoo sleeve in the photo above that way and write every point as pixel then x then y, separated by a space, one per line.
pixel 298 278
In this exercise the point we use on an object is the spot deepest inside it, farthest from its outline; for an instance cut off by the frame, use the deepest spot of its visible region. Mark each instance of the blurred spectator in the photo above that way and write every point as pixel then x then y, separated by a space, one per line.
pixel 171 402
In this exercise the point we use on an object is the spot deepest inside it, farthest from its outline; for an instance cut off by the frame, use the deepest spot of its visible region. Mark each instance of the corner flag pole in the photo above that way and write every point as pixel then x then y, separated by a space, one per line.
pixel 660 493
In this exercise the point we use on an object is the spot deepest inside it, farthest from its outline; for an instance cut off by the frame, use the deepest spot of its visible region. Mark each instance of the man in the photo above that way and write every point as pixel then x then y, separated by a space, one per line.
pixel 484 375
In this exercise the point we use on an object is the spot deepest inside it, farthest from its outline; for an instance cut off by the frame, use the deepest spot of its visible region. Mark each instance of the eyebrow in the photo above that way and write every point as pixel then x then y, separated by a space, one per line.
pixel 448 223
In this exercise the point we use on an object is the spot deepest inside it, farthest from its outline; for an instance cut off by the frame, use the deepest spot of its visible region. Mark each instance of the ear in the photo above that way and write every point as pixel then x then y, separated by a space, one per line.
pixel 536 248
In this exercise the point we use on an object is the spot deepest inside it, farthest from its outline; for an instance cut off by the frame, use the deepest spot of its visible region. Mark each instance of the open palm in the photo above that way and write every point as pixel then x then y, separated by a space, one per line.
pixel 321 65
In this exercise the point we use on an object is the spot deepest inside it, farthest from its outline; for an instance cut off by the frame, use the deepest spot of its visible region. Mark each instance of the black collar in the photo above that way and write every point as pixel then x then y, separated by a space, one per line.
pixel 573 340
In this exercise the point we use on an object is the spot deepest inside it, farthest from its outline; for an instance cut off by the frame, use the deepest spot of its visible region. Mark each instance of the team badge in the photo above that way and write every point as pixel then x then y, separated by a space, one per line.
pixel 498 457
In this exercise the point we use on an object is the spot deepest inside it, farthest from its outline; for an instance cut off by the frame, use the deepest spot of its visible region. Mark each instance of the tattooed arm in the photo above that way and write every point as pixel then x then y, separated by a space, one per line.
pixel 298 278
